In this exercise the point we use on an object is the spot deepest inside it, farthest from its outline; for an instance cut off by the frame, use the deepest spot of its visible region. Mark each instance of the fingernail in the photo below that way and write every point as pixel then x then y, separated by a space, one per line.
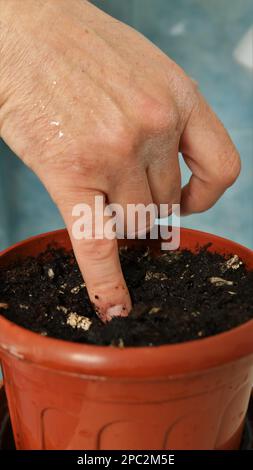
pixel 116 311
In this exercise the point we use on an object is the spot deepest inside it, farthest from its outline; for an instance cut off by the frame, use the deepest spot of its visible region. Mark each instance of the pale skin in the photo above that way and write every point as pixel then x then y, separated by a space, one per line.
pixel 94 108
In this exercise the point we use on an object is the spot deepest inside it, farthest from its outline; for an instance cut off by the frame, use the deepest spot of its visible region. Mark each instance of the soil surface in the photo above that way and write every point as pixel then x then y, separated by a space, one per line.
pixel 178 296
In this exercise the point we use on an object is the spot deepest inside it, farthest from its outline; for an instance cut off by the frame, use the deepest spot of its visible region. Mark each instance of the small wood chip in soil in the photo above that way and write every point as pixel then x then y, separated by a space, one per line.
pixel 4 305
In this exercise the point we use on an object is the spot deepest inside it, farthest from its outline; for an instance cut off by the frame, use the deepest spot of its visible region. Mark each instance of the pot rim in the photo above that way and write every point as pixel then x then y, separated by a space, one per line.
pixel 137 362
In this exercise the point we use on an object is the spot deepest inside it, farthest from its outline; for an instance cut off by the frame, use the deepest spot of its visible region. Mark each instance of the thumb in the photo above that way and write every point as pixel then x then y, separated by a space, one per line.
pixel 211 156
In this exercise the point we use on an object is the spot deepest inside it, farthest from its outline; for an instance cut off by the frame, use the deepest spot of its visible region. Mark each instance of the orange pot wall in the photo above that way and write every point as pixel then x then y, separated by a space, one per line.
pixel 63 395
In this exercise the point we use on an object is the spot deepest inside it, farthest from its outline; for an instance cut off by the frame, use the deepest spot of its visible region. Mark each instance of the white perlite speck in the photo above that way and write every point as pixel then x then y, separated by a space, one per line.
pixel 154 310
pixel 195 314
pixel 61 308
pixel 77 289
pixel 218 281
pixel 78 321
pixel 62 289
pixel 232 263
pixel 121 343
pixel 50 273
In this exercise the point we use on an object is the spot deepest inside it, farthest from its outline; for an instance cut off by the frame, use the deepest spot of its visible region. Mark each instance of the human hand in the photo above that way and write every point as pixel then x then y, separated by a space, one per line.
pixel 94 108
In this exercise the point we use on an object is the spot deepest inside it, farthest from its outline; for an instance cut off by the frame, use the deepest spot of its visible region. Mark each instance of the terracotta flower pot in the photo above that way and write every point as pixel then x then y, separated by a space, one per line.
pixel 63 395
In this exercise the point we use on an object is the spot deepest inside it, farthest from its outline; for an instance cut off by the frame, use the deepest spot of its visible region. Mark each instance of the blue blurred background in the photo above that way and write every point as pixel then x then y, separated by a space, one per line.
pixel 201 36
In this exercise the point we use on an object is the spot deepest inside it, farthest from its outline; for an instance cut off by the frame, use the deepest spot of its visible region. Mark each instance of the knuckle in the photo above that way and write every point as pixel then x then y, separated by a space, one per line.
pixel 160 115
pixel 99 250
pixel 234 169
pixel 229 169
pixel 122 143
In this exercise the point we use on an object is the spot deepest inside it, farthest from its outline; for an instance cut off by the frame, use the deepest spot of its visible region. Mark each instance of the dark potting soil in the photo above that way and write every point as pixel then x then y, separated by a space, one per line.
pixel 177 296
